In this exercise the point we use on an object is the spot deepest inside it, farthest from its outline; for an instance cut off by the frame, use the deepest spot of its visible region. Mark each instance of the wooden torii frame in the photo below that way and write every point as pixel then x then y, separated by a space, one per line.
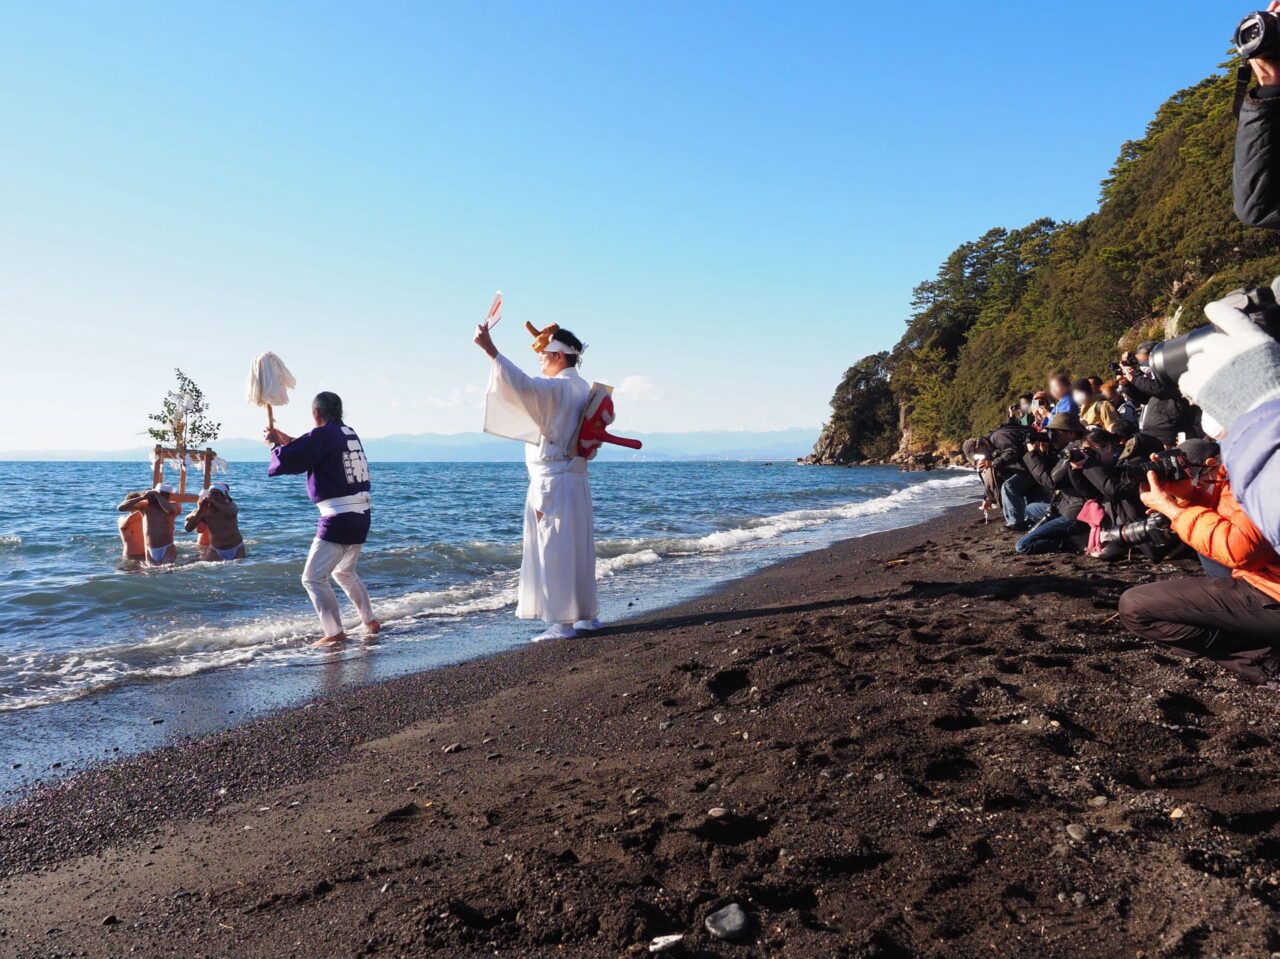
pixel 162 453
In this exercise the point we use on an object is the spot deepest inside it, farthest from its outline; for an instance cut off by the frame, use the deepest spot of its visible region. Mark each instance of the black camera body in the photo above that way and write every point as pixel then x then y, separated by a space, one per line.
pixel 1258 36
pixel 1170 466
pixel 1169 359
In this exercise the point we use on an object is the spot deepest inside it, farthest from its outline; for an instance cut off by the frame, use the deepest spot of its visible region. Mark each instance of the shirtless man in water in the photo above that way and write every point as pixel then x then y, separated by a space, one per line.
pixel 131 529
pixel 217 512
pixel 158 513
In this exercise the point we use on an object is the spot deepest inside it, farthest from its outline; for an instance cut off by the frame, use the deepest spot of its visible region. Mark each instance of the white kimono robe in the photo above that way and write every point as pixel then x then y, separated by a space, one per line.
pixel 558 571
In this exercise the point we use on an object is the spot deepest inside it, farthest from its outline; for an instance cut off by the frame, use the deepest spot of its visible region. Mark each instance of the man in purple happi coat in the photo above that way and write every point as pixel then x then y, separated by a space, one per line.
pixel 338 483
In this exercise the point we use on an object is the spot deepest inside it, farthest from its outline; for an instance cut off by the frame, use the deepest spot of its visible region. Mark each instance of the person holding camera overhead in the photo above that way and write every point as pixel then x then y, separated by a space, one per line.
pixel 1256 183
pixel 1235 374
pixel 1233 620
pixel 1164 411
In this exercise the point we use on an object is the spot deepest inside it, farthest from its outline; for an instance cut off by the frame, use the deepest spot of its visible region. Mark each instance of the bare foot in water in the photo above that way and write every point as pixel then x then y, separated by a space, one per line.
pixel 372 629
pixel 331 640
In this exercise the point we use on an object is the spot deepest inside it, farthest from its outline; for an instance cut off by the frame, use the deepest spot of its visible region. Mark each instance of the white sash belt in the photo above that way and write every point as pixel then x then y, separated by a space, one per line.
pixel 356 503
pixel 540 469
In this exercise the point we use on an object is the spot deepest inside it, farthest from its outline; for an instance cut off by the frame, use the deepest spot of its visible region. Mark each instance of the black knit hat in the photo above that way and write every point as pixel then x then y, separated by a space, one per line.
pixel 1200 452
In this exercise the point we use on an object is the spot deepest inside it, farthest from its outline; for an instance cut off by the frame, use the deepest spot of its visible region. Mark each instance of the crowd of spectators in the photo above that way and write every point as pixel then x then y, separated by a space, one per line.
pixel 1126 469
pixel 1148 463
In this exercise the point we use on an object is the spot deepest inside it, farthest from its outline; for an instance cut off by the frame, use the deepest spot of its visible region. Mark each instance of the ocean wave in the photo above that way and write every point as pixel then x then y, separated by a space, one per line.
pixel 36 677
pixel 770 527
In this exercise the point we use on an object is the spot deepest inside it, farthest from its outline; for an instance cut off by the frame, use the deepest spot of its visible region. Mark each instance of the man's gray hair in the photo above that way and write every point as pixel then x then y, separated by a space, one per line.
pixel 328 407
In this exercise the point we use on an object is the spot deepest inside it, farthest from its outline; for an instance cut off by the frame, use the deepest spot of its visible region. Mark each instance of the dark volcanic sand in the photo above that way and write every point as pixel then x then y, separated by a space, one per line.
pixel 899 730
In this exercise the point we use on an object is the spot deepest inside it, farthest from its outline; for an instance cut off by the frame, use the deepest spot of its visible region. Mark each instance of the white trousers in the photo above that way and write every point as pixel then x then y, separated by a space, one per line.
pixel 558 570
pixel 339 561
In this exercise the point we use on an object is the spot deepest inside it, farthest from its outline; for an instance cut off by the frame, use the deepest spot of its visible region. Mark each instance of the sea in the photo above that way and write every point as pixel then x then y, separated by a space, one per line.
pixel 100 657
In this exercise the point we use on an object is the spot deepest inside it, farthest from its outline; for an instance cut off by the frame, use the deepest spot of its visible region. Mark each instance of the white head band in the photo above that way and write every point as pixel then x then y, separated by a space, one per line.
pixel 555 346
pixel 164 488
pixel 222 488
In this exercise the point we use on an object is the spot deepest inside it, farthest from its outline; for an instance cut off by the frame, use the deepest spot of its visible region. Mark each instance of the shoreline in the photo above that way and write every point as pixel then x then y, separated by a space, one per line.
pixel 429 624
pixel 894 731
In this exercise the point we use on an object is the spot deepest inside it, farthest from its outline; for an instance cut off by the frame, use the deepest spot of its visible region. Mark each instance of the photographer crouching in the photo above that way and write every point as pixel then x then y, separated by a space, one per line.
pixel 1105 468
pixel 1233 620
pixel 1056 511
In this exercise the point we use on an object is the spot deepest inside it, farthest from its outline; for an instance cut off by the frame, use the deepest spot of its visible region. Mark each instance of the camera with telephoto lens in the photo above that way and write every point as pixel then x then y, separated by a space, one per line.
pixel 1154 529
pixel 1169 359
pixel 1258 36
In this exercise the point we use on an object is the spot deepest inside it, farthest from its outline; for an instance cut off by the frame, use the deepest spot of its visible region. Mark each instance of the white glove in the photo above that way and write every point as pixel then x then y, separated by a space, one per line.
pixel 1235 370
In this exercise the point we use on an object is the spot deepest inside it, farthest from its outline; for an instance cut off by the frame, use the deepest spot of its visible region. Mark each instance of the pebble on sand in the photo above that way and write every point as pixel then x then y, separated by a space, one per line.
pixel 1077 832
pixel 729 923
pixel 664 943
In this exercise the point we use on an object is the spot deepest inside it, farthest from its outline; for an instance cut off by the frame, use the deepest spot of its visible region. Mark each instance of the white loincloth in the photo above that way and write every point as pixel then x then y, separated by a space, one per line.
pixel 558 568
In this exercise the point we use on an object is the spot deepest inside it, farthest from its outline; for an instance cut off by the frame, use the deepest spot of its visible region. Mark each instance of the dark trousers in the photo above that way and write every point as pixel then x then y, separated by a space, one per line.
pixel 1226 620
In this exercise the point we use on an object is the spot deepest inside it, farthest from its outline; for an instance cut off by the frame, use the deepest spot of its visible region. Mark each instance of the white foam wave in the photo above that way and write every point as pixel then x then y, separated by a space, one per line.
pixel 771 527
pixel 37 677
pixel 616 564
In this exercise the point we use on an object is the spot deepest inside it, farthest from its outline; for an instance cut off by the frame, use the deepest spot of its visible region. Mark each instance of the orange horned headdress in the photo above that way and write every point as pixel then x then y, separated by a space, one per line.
pixel 541 338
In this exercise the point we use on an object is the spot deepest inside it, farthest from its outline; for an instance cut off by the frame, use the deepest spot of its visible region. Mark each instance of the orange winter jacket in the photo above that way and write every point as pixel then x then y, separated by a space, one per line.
pixel 1216 526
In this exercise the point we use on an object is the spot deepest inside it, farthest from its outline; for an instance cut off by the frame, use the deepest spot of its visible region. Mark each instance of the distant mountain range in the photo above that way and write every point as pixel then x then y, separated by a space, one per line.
pixel 479 448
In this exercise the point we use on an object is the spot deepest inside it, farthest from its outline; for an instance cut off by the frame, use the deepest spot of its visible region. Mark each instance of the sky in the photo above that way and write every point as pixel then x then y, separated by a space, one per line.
pixel 730 202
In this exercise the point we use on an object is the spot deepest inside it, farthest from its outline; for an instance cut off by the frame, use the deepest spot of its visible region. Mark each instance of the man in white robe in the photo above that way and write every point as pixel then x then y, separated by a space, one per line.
pixel 558 569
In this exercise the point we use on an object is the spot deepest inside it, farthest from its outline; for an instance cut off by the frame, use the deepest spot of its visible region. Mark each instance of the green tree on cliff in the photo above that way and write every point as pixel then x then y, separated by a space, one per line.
pixel 864 416
pixel 1006 308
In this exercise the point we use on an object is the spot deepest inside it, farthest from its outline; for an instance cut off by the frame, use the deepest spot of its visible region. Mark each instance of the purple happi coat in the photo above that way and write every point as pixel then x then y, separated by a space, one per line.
pixel 337 479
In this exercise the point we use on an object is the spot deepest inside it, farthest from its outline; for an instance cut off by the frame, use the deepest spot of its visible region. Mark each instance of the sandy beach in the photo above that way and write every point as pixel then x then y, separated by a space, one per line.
pixel 909 744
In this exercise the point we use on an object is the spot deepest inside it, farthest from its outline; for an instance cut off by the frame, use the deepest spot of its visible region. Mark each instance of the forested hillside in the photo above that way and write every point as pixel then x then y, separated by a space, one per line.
pixel 1008 307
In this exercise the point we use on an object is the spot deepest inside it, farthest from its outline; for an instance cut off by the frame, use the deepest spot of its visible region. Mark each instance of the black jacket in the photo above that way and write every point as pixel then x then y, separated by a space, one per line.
pixel 1008 443
pixel 1256 183
pixel 1164 413
pixel 1051 473
pixel 1117 487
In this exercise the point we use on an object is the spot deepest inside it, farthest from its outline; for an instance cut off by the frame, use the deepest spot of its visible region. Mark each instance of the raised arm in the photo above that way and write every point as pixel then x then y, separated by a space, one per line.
pixel 195 517
pixel 298 456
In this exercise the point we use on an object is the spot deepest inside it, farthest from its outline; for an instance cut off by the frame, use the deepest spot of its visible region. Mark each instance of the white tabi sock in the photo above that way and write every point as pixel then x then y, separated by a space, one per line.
pixel 556 631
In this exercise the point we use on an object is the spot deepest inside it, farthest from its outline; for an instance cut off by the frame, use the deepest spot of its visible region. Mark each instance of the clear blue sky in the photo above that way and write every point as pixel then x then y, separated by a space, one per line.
pixel 731 202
